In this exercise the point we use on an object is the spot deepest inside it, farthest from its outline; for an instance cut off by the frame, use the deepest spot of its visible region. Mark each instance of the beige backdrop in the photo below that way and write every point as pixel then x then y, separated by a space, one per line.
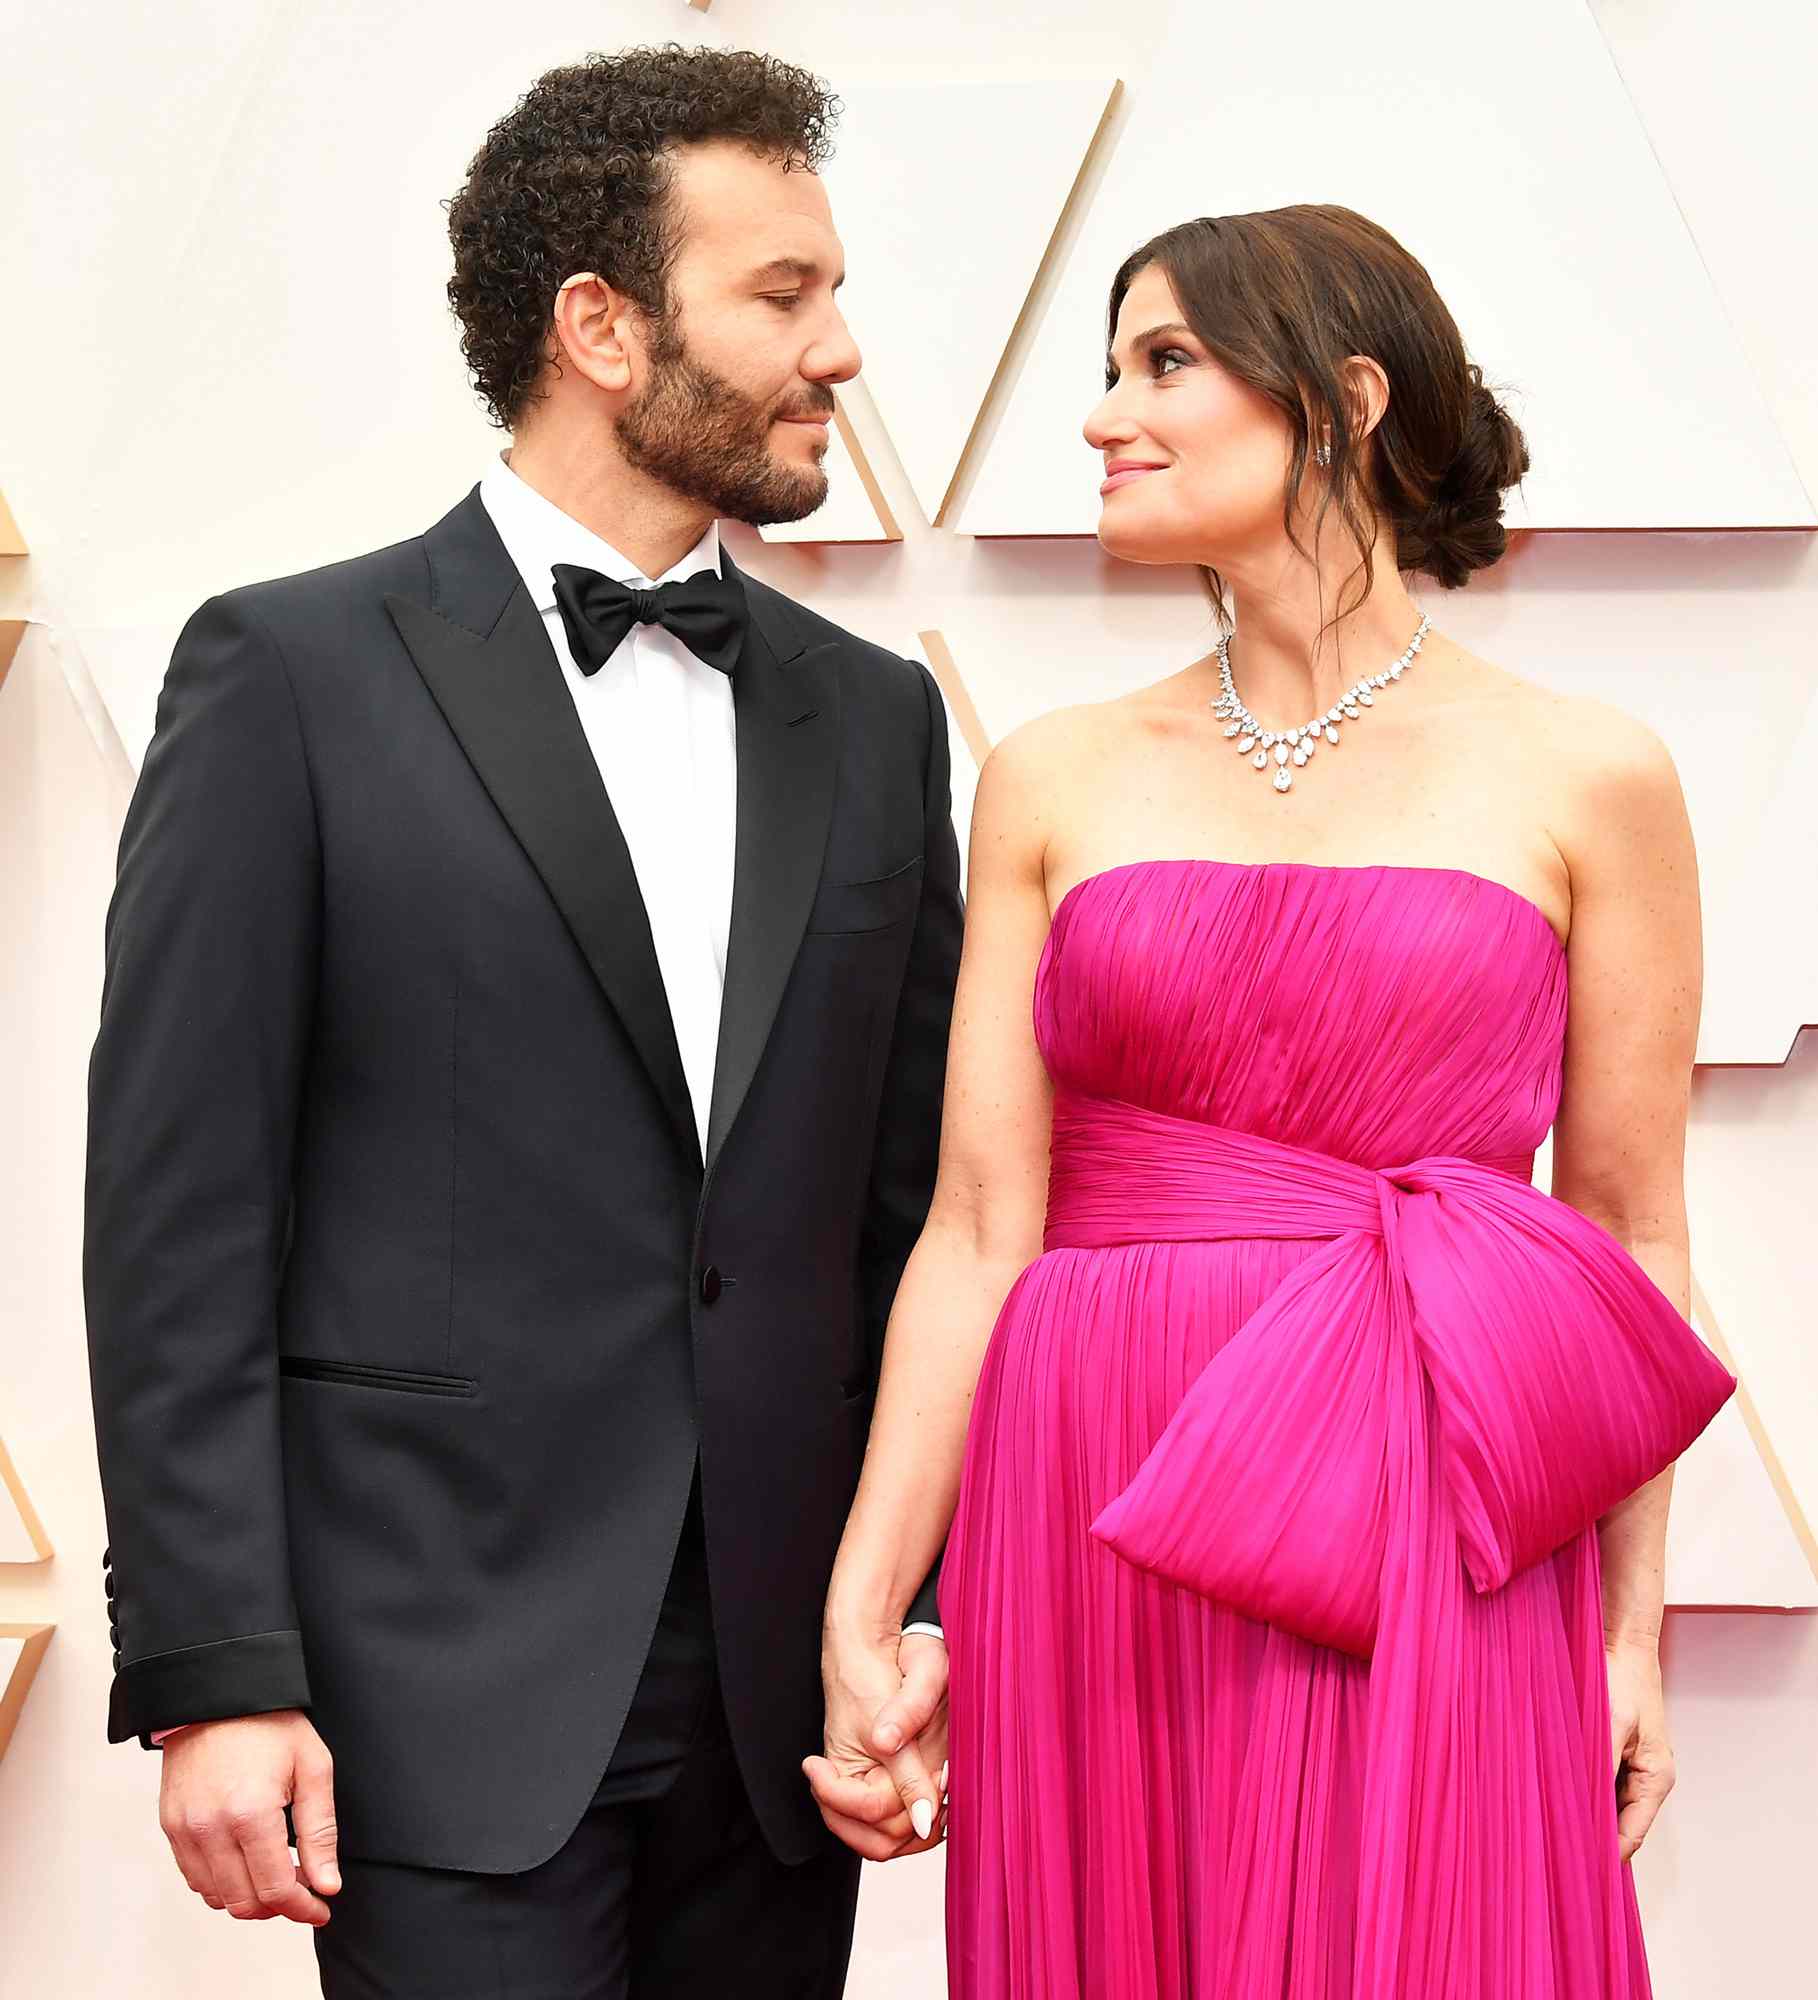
pixel 196 401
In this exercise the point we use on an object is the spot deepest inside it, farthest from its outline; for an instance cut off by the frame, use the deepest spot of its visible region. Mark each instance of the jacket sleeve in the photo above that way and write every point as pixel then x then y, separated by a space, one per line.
pixel 211 949
pixel 909 1122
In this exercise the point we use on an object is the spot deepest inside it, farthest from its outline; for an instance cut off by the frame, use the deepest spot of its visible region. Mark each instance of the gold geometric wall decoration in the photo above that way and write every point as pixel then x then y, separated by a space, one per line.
pixel 935 323
pixel 21 1649
pixel 947 674
pixel 862 466
pixel 22 1536
pixel 1585 200
pixel 21 605
pixel 12 587
pixel 968 742
pixel 855 509
pixel 1761 972
pixel 1757 1430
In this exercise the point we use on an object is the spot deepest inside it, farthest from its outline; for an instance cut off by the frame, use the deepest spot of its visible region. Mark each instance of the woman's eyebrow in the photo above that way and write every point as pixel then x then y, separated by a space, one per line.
pixel 1168 330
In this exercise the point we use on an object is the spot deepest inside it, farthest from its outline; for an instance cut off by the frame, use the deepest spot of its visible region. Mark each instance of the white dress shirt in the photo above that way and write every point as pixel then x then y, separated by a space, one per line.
pixel 660 725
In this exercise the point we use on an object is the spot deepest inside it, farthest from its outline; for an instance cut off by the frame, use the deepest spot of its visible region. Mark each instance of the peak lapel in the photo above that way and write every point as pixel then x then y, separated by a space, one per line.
pixel 482 650
pixel 787 724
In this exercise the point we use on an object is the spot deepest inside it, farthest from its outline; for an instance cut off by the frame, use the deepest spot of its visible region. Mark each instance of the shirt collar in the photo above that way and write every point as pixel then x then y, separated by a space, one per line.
pixel 537 535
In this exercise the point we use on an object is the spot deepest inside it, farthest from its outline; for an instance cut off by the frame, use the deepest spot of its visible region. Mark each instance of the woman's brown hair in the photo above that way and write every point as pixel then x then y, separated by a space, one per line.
pixel 1281 299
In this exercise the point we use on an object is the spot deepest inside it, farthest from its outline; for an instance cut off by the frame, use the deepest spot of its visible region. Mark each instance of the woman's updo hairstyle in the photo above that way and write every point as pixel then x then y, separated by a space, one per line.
pixel 1281 299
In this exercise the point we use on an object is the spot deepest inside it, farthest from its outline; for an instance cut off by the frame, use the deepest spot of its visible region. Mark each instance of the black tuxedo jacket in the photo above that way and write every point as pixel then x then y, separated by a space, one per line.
pixel 410 1301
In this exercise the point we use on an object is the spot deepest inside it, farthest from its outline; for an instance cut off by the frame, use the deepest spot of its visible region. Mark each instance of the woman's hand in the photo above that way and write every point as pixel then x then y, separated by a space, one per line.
pixel 1641 1755
pixel 866 1794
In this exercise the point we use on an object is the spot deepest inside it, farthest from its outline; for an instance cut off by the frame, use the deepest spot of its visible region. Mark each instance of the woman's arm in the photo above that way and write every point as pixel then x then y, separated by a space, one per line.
pixel 1636 982
pixel 984 1225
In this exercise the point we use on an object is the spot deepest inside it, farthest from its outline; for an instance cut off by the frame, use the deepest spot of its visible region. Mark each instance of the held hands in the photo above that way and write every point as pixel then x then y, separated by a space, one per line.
pixel 221 1806
pixel 881 1786
pixel 1639 1750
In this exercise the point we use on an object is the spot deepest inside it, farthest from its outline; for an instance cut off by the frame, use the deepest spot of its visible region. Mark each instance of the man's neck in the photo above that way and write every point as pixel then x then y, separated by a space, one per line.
pixel 646 521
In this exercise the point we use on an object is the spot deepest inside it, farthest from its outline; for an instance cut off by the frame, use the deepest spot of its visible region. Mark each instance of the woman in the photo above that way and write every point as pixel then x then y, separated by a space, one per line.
pixel 1303 1590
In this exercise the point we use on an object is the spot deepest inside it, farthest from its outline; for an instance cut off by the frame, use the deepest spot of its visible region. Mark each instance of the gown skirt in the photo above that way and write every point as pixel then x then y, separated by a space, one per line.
pixel 1272 1595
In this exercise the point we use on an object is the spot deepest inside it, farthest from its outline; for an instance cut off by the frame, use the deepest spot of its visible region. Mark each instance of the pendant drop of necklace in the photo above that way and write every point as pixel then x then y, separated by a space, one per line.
pixel 1283 747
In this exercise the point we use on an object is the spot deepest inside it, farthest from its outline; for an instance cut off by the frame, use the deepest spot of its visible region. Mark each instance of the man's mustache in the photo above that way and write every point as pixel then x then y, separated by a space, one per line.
pixel 817 409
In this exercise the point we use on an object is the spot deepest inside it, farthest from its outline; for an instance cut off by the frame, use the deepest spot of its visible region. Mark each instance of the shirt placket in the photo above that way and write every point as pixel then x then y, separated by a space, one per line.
pixel 681 885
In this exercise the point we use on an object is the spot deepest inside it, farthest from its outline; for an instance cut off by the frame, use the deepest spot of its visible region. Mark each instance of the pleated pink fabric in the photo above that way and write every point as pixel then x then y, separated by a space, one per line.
pixel 1272 1596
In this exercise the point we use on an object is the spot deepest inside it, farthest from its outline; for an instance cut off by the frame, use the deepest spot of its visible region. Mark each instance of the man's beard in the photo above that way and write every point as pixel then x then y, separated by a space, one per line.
pixel 710 442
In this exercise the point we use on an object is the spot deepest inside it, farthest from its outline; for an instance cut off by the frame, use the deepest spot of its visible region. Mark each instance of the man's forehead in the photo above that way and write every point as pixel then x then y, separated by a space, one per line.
pixel 728 190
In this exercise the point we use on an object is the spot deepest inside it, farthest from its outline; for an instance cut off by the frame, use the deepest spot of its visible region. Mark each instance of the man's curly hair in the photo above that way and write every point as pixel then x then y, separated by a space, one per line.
pixel 576 177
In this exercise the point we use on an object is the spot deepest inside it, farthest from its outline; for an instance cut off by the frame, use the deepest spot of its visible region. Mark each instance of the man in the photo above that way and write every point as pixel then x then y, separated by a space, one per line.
pixel 517 1091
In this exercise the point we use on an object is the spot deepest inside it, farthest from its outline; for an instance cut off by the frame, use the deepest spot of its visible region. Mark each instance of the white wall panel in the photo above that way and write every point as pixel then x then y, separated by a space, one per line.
pixel 946 196
pixel 853 510
pixel 1502 150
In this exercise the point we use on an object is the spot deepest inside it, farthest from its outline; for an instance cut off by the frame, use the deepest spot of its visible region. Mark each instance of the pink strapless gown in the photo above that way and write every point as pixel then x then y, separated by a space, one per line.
pixel 1272 1595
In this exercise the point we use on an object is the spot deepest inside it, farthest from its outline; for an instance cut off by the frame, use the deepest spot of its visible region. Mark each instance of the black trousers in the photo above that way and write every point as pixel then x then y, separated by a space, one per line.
pixel 665 1891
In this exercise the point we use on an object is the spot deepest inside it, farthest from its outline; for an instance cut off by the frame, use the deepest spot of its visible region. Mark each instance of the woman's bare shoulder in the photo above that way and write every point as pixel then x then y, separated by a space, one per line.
pixel 1053 746
pixel 1593 744
pixel 1593 734
pixel 1600 775
pixel 1032 782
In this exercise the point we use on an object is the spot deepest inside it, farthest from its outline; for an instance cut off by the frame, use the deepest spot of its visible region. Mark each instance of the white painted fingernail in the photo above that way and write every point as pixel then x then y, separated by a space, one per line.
pixel 921 1817
pixel 943 1774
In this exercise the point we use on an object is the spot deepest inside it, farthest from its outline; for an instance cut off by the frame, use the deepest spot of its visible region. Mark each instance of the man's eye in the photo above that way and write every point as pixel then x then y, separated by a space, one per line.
pixel 784 299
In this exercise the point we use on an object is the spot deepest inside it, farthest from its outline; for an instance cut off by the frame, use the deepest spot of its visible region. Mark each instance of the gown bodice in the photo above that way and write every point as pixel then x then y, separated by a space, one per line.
pixel 1375 1013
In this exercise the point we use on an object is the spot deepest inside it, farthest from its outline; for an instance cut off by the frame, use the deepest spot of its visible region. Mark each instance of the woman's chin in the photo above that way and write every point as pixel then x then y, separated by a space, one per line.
pixel 1129 544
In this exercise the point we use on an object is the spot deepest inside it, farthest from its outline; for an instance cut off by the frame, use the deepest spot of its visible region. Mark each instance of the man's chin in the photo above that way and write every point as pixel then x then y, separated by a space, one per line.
pixel 804 497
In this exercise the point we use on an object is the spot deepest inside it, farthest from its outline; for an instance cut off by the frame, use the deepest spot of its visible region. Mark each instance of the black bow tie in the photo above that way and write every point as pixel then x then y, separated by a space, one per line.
pixel 706 611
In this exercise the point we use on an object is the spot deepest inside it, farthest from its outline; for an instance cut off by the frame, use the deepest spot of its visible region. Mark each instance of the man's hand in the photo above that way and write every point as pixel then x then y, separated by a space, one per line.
pixel 883 1800
pixel 921 1700
pixel 221 1806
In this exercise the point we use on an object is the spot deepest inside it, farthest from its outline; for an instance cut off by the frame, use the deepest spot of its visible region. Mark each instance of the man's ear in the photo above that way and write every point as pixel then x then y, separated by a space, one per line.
pixel 590 330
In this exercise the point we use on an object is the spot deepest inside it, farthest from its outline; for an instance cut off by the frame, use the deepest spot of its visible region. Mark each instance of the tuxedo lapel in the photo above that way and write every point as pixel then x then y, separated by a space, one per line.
pixel 787 721
pixel 481 648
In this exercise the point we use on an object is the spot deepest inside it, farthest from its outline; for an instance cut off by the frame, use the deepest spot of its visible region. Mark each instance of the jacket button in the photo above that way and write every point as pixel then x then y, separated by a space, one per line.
pixel 108 1586
pixel 710 1283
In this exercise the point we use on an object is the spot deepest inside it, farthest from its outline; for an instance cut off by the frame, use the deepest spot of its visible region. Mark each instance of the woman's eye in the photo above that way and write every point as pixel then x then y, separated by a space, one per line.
pixel 1157 355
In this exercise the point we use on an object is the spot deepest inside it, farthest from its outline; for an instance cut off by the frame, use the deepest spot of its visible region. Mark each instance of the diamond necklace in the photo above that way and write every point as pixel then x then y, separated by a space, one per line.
pixel 1296 746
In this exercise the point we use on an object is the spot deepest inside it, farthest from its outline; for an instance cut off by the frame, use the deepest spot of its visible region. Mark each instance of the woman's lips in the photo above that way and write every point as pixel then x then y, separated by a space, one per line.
pixel 1129 473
